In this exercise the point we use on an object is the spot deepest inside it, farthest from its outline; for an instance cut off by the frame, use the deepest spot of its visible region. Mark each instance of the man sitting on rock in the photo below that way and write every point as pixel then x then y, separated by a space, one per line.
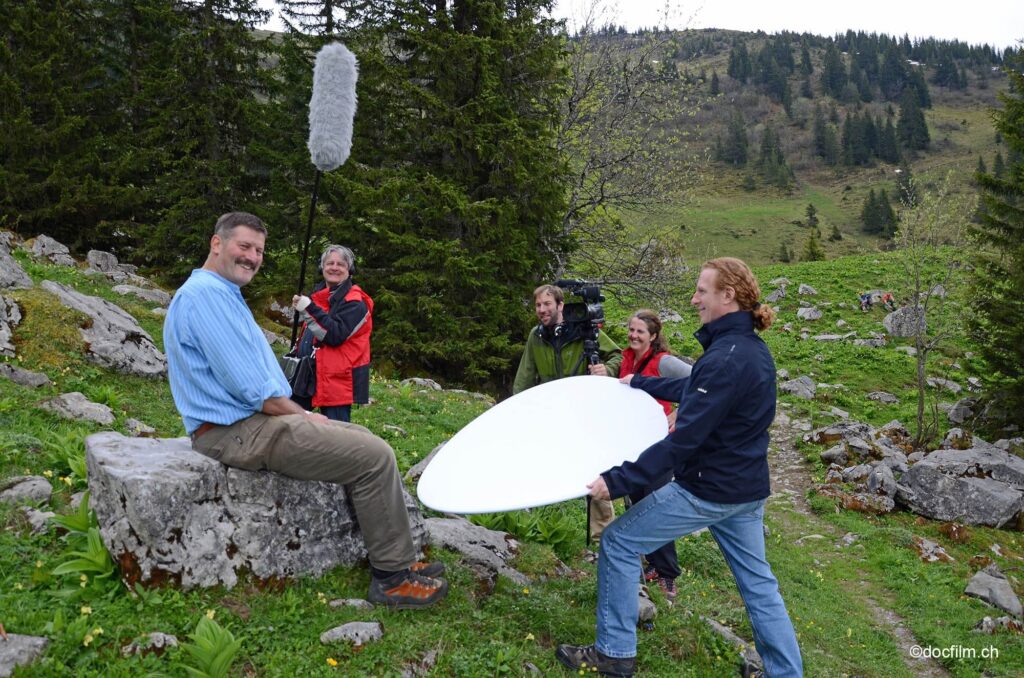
pixel 234 401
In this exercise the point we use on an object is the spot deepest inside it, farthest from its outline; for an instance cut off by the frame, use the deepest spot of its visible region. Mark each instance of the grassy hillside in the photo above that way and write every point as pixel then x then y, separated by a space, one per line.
pixel 850 604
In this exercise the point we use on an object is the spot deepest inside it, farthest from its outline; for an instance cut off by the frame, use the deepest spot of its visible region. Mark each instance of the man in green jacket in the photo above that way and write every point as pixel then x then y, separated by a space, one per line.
pixel 554 350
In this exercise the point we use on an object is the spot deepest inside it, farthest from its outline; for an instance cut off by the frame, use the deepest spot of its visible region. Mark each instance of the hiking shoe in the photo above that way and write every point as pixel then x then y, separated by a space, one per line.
pixel 668 587
pixel 432 570
pixel 407 591
pixel 588 658
pixel 651 573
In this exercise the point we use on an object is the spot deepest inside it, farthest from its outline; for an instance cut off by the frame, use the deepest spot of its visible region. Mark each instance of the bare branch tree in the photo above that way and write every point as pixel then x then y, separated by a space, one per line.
pixel 930 241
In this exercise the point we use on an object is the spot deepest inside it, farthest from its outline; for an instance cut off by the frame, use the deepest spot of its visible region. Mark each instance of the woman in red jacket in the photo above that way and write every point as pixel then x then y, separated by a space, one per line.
pixel 648 355
pixel 339 315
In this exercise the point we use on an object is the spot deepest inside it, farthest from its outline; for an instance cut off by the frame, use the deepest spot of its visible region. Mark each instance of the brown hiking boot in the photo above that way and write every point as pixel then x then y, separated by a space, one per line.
pixel 407 591
pixel 433 570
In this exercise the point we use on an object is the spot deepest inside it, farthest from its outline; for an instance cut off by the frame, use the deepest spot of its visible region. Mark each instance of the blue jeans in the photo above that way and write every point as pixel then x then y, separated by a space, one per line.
pixel 672 512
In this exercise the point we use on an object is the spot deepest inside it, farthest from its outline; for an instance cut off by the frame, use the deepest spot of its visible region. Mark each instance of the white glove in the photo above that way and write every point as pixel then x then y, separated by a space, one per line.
pixel 300 303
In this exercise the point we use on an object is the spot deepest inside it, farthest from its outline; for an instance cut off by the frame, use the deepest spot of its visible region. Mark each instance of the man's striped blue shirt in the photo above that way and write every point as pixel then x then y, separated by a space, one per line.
pixel 220 365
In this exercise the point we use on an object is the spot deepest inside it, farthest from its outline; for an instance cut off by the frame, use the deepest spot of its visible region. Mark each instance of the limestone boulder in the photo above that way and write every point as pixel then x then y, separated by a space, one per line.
pixel 146 294
pixel 975 486
pixel 809 313
pixel 991 586
pixel 23 377
pixel 908 321
pixel 76 406
pixel 25 489
pixel 167 512
pixel 12 275
pixel 113 337
pixel 19 650
pixel 801 387
pixel 46 247
pixel 10 318
pixel 101 261
pixel 480 547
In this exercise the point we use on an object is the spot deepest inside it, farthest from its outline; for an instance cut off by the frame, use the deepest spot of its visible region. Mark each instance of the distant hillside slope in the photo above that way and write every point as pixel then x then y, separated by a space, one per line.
pixel 787 120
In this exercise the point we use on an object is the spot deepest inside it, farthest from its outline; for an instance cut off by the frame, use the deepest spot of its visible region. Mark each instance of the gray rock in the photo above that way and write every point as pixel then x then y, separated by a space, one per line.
pixel 10 317
pixel 963 410
pixel 841 323
pixel 856 474
pixel 835 455
pixel 416 471
pixel 479 546
pixel 166 511
pixel 12 275
pixel 931 552
pixel 7 241
pixel 39 520
pixel 836 412
pixel 909 350
pixel 152 643
pixel 138 429
pixel 810 313
pixel 646 609
pixel 397 430
pixel 782 374
pixel 151 295
pixel 974 384
pixel 48 248
pixel 669 316
pixel 991 586
pixel 776 295
pixel 161 311
pixel 24 377
pixel 870 343
pixel 834 337
pixel 987 462
pixel 956 439
pixel 25 489
pixel 355 603
pixel 780 282
pixel 990 626
pixel 421 383
pixel 937 291
pixel 114 338
pixel 881 481
pixel 883 397
pixel 806 290
pixel 357 633
pixel 841 430
pixel 908 321
pixel 76 406
pixel 951 386
pixel 101 261
pixel 801 387
pixel 272 337
pixel 752 663
pixel 859 448
pixel 18 650
pixel 930 490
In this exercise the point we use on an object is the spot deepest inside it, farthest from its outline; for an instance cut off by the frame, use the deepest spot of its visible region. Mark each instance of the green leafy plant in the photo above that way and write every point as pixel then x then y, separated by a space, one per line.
pixel 212 650
pixel 66 453
pixel 79 522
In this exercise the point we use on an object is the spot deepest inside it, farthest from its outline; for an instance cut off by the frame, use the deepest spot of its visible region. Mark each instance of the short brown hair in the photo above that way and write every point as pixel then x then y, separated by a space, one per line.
pixel 232 220
pixel 554 290
pixel 736 274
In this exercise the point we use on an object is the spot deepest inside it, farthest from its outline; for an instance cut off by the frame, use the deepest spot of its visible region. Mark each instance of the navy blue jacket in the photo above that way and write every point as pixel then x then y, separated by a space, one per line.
pixel 719 450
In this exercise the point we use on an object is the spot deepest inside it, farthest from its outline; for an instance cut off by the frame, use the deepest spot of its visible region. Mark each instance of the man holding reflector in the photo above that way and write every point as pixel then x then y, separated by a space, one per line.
pixel 719 456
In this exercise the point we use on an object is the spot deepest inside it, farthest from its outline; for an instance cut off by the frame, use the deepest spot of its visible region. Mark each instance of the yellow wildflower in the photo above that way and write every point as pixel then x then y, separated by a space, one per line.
pixel 526 591
pixel 66 480
pixel 529 636
pixel 86 609
pixel 331 661
pixel 18 586
pixel 39 564
pixel 210 613
pixel 48 473
pixel 87 640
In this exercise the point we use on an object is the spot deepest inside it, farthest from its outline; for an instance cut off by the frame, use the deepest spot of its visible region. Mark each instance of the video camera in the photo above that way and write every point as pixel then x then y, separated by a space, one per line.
pixel 588 313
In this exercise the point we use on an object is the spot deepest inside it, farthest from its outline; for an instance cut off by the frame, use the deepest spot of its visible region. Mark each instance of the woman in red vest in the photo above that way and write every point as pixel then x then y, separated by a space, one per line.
pixel 339 315
pixel 648 355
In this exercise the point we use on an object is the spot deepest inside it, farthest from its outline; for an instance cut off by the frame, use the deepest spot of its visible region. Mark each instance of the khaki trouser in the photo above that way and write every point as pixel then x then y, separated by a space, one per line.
pixel 602 513
pixel 335 451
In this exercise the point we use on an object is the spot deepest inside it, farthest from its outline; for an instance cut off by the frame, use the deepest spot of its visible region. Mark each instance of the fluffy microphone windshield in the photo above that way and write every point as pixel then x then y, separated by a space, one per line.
pixel 332 106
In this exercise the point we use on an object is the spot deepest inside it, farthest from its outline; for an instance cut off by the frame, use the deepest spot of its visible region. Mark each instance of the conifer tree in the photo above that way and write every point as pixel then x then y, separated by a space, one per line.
pixel 888 146
pixel 833 72
pixel 715 86
pixel 835 235
pixel 998 166
pixel 998 276
pixel 825 144
pixel 812 216
pixel 733 149
pixel 869 214
pixel 812 249
pixel 912 129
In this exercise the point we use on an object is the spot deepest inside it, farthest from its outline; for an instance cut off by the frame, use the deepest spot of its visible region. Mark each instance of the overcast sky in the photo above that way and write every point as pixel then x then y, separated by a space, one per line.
pixel 998 22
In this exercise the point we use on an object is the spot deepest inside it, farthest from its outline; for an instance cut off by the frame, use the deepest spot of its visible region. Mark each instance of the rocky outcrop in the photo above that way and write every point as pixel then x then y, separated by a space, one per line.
pixel 908 321
pixel 46 247
pixel 480 548
pixel 12 275
pixel 113 338
pixel 22 489
pixel 991 586
pixel 801 387
pixel 76 406
pixel 23 377
pixel 167 512
pixel 151 295
pixel 10 317
pixel 18 650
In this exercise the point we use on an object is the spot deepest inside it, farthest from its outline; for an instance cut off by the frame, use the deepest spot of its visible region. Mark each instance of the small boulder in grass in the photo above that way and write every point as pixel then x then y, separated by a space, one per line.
pixel 357 633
